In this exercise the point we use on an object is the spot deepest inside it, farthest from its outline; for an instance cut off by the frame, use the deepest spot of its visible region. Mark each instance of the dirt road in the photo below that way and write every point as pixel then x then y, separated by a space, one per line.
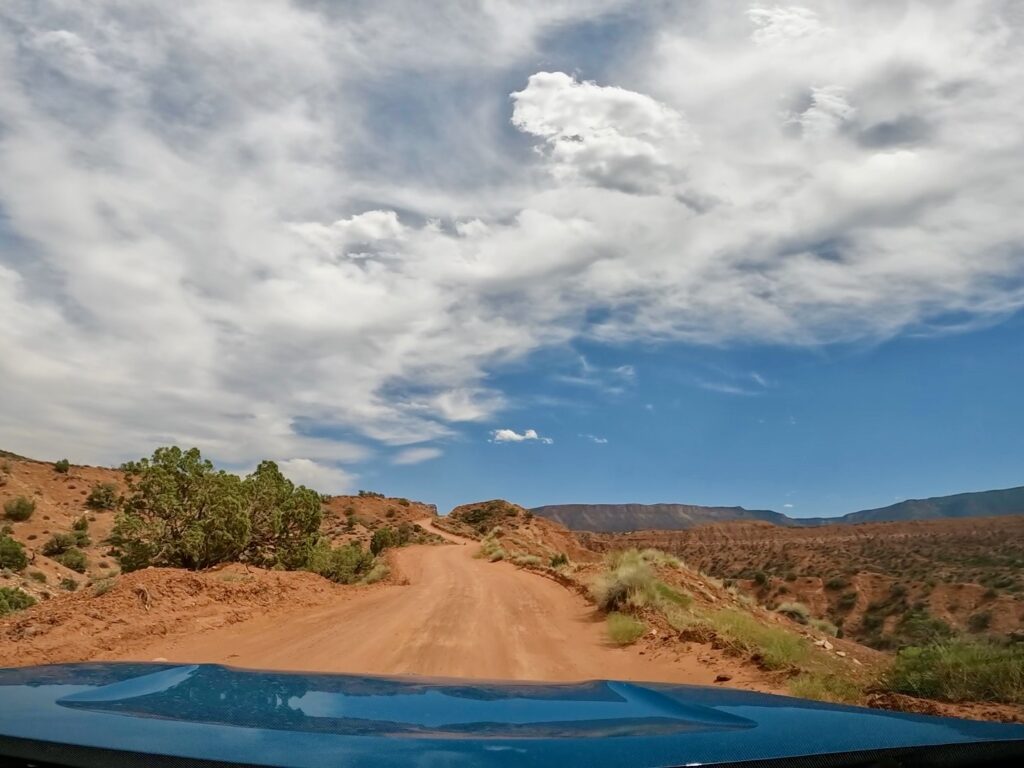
pixel 457 616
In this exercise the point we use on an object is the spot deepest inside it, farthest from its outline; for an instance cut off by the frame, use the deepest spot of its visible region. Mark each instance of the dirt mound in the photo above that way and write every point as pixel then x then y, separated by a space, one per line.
pixel 60 500
pixel 133 610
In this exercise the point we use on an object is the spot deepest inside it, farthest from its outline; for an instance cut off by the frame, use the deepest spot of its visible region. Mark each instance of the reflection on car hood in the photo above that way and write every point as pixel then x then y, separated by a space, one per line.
pixel 294 719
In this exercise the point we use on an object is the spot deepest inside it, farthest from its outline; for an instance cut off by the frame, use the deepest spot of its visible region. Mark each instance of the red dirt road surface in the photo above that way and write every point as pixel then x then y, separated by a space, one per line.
pixel 457 616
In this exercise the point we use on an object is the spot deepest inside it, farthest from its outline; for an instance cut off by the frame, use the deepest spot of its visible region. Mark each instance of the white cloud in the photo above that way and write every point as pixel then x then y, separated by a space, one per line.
pixel 595 439
pixel 415 455
pixel 604 135
pixel 320 477
pixel 511 436
pixel 246 231
pixel 788 506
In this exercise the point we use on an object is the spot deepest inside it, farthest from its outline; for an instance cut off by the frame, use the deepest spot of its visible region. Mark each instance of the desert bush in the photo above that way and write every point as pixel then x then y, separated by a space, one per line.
pixel 557 561
pixel 179 511
pixel 624 629
pixel 74 559
pixel 345 564
pixel 773 647
pixel 370 495
pixel 630 581
pixel 103 586
pixel 13 599
pixel 825 627
pixel 979 621
pixel 68 584
pixel 58 544
pixel 12 554
pixel 81 524
pixel 918 627
pixel 102 496
pixel 19 508
pixel 490 547
pixel 404 502
pixel 378 572
pixel 837 583
pixel 825 686
pixel 959 670
pixel 761 579
pixel 62 466
pixel 382 539
pixel 796 611
pixel 846 601
pixel 627 575
pixel 658 558
pixel 37 576
pixel 528 561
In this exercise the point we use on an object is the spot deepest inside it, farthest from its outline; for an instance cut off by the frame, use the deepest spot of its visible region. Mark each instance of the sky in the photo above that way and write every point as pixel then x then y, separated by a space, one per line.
pixel 561 251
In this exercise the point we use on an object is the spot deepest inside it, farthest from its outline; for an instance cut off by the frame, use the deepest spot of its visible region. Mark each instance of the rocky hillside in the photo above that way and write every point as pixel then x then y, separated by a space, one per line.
pixel 885 584
pixel 613 518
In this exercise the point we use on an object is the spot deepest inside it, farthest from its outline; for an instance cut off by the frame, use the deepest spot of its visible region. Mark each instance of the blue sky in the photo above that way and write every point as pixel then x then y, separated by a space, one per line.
pixel 766 255
pixel 827 431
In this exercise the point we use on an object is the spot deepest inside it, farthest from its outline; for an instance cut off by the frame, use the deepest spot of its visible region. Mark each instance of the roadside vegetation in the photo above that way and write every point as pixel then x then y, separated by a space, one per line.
pixel 179 511
pixel 935 662
pixel 960 670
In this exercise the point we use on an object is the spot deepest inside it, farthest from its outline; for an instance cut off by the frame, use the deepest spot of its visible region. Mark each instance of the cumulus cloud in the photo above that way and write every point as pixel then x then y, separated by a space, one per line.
pixel 416 455
pixel 511 436
pixel 316 230
pixel 604 135
pixel 322 477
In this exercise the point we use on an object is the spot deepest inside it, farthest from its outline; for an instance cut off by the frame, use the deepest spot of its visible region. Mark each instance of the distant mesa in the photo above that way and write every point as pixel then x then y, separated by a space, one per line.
pixel 617 518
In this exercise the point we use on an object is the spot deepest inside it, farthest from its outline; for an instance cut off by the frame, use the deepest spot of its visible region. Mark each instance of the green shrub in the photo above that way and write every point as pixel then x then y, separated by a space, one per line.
pixel 557 561
pixel 81 524
pixel 19 508
pixel 628 575
pixel 37 576
pixel 179 511
pixel 527 561
pixel 68 584
pixel 378 572
pixel 623 629
pixel 979 621
pixel 62 466
pixel 825 626
pixel 382 539
pixel 918 627
pixel 490 547
pixel 103 586
pixel 796 611
pixel 102 496
pixel 346 564
pixel 773 647
pixel 12 554
pixel 960 670
pixel 846 601
pixel 825 686
pixel 13 599
pixel 74 559
pixel 59 543
pixel 761 579
pixel 837 583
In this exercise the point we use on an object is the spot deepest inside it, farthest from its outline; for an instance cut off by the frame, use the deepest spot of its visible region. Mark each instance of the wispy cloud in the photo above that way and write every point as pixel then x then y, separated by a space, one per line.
pixel 416 455
pixel 511 436
pixel 595 439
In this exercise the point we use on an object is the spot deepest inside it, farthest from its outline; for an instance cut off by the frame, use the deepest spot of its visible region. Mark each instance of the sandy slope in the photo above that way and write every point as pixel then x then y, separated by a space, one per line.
pixel 457 616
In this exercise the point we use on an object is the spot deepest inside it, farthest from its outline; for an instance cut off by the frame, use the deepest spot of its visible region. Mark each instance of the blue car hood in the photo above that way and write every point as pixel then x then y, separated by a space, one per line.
pixel 293 719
